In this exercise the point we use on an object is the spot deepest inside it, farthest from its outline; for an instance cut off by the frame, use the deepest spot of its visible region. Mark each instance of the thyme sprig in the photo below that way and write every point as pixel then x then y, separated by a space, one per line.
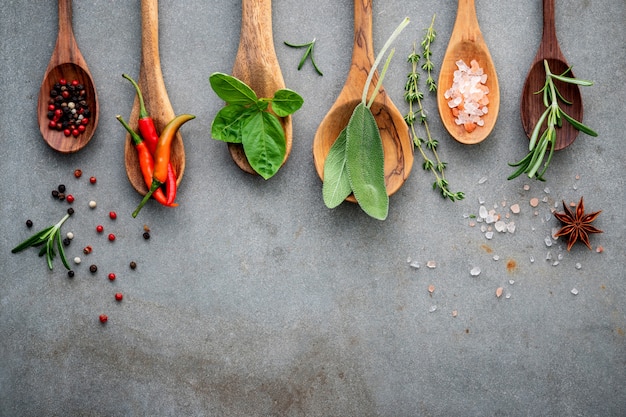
pixel 309 52
pixel 553 117
pixel 51 237
pixel 414 98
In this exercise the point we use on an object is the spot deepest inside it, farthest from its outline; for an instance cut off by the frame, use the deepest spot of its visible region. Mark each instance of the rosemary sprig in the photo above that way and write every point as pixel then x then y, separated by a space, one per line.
pixel 51 237
pixel 309 52
pixel 414 96
pixel 553 117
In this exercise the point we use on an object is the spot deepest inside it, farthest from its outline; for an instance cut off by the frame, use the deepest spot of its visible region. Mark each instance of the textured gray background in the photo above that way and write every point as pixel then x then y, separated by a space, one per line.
pixel 252 298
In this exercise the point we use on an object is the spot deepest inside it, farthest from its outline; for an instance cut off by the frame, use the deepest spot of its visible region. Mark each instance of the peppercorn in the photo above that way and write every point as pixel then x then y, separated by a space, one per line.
pixel 70 273
pixel 66 242
pixel 92 204
pixel 61 188
pixel 29 223
pixel 133 265
pixel 112 215
pixel 70 211
pixel 92 180
pixel 55 193
pixel 61 196
pixel 70 198
pixel 112 276
pixel 111 237
pixel 93 269
pixel 99 228
pixel 78 173
pixel 103 318
pixel 146 235
pixel 87 250
pixel 118 296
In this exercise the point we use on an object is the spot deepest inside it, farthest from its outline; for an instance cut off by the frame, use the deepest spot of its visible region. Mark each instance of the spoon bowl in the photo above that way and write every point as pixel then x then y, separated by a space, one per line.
pixel 532 106
pixel 394 132
pixel 256 65
pixel 156 100
pixel 467 43
pixel 68 63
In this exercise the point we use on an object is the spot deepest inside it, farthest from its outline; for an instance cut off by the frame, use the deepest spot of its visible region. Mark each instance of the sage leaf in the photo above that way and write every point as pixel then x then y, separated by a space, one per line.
pixel 264 144
pixel 286 102
pixel 365 163
pixel 227 123
pixel 231 89
pixel 336 186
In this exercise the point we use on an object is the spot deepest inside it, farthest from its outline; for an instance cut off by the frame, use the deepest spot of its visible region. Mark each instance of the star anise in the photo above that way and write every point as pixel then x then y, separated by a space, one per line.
pixel 577 225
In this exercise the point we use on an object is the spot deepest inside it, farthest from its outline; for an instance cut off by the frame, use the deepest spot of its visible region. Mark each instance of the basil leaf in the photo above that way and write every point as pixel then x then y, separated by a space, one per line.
pixel 365 163
pixel 231 89
pixel 286 102
pixel 264 144
pixel 228 121
pixel 336 186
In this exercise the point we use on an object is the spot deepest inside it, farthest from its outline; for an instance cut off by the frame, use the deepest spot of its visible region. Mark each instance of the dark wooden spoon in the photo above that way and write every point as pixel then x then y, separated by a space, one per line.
pixel 532 106
pixel 256 65
pixel 68 63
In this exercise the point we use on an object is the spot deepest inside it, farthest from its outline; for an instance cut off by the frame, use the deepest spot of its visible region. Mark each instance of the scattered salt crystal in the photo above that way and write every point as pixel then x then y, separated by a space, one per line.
pixel 431 264
pixel 546 190
pixel 482 212
pixel 431 288
pixel 515 209
pixel 548 241
pixel 472 224
pixel 482 180
pixel 408 260
pixel 555 230
pixel 490 219
pixel 575 187
pixel 481 200
pixel 496 257
pixel 455 313
pixel 415 265
pixel 545 199
pixel 534 202
pixel 559 256
pixel 510 227
pixel 489 235
pixel 600 249
pixel 483 228
pixel 578 265
pixel 499 292
pixel 548 256
pixel 500 226
pixel 574 291
pixel 511 281
pixel 475 271
pixel 532 259
pixel 577 177
pixel 432 309
pixel 508 295
pixel 526 187
pixel 555 263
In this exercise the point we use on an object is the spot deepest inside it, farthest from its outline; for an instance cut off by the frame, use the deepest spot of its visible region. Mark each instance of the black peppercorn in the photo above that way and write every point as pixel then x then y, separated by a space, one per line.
pixel 146 235
pixel 70 211
pixel 66 241
pixel 55 194
pixel 61 188
pixel 70 273
pixel 133 265
pixel 93 269
pixel 29 223
pixel 61 196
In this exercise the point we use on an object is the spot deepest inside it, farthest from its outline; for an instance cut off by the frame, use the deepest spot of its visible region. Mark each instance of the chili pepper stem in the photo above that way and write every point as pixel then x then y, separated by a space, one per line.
pixel 143 113
pixel 155 185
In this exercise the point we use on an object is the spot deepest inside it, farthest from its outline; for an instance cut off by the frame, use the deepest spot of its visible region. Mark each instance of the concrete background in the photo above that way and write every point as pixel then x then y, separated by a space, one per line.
pixel 252 298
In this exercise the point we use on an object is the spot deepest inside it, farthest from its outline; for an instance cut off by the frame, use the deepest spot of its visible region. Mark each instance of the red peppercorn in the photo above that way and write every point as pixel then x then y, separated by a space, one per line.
pixel 118 296
pixel 74 83
pixel 113 215
pixel 92 180
pixel 67 132
pixel 70 198
pixel 78 173
pixel 51 107
pixel 111 237
pixel 103 318
pixel 85 120
pixel 81 128
pixel 52 124
pixel 99 228
pixel 75 133
pixel 112 276
pixel 87 250
pixel 62 81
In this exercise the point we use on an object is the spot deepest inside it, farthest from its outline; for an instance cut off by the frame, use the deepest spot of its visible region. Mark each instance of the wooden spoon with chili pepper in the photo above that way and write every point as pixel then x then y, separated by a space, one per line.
pixel 394 132
pixel 532 106
pixel 155 96
pixel 256 65
pixel 67 63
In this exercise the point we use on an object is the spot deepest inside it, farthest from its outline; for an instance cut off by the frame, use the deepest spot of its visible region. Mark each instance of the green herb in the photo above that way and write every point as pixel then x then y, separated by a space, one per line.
pixel 247 119
pixel 309 52
pixel 553 117
pixel 414 96
pixel 51 237
pixel 355 163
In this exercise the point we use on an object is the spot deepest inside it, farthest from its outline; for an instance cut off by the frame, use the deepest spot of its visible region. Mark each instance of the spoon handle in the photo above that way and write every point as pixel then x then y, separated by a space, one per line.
pixel 66 49
pixel 467 22
pixel 363 48
pixel 549 43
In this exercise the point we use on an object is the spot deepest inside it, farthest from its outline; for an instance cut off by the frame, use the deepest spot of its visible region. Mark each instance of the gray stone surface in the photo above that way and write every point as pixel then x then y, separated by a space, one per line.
pixel 252 298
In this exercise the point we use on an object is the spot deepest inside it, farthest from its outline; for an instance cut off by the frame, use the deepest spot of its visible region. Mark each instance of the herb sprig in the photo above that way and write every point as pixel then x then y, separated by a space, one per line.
pixel 355 162
pixel 414 97
pixel 553 117
pixel 308 53
pixel 50 237
pixel 253 121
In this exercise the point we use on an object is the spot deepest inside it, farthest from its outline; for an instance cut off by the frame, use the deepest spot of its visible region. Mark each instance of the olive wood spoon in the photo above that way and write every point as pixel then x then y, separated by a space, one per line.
pixel 394 132
pixel 532 106
pixel 66 62
pixel 155 97
pixel 467 43
pixel 256 65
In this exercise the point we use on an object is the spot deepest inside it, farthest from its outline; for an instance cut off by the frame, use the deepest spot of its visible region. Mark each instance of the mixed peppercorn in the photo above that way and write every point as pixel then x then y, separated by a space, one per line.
pixel 68 110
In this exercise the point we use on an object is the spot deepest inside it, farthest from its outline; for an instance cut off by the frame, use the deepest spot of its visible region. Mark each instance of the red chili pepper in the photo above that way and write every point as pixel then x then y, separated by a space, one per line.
pixel 162 156
pixel 145 162
pixel 148 132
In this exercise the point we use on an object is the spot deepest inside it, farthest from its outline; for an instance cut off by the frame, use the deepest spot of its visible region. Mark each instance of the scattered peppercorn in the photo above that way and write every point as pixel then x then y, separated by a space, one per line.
pixel 113 215
pixel 133 265
pixel 92 180
pixel 92 204
pixel 66 242
pixel 70 273
pixel 55 193
pixel 87 250
pixel 77 260
pixel 70 235
pixel 70 211
pixel 61 196
pixel 118 296
pixel 78 173
pixel 111 237
pixel 146 228
pixel 112 276
pixel 70 198
pixel 146 235
pixel 29 223
pixel 93 269
pixel 99 228
pixel 103 318
pixel 61 188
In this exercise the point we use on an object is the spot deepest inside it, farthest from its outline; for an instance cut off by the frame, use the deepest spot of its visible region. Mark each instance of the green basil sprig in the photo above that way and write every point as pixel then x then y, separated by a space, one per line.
pixel 355 162
pixel 247 119
pixel 51 237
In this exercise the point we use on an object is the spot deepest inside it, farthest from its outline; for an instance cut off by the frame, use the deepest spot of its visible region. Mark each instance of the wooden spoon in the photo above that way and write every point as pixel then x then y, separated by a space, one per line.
pixel 394 132
pixel 66 62
pixel 256 65
pixel 467 43
pixel 532 106
pixel 155 98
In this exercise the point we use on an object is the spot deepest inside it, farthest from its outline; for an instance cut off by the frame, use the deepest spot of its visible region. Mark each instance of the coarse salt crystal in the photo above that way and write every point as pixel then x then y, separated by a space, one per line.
pixel 467 97
pixel 475 271
pixel 515 209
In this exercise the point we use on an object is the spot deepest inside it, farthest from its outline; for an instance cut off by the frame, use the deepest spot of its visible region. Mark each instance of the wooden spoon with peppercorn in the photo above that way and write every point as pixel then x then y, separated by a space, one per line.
pixel 67 106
